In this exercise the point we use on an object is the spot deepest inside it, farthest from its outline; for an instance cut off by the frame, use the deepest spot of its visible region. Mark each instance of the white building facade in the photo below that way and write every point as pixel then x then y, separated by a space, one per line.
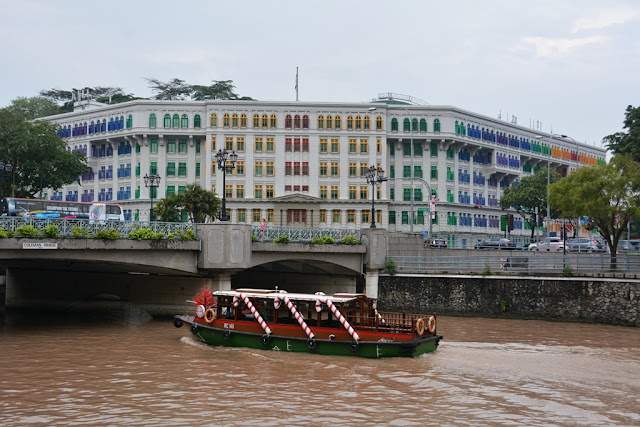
pixel 304 164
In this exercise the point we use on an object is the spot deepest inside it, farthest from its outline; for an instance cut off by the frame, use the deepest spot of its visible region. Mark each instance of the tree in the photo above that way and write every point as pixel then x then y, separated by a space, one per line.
pixel 529 194
pixel 36 107
pixel 39 157
pixel 174 89
pixel 106 94
pixel 202 205
pixel 608 194
pixel 220 89
pixel 627 144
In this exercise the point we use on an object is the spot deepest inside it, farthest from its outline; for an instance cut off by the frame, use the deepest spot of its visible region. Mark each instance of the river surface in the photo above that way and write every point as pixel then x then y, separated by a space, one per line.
pixel 119 367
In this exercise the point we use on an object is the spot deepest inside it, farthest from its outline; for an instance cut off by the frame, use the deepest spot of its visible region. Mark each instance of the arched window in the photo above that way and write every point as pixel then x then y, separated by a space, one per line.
pixel 414 125
pixel 129 121
pixel 379 123
pixel 256 121
pixel 367 123
pixel 457 128
pixel 349 122
pixel 185 121
pixel 243 121
pixel 196 121
pixel 121 123
pixel 152 120
pixel 394 124
pixel 320 122
pixel 265 121
pixel 225 120
pixel 274 121
pixel 296 122
pixel 423 125
pixel 104 125
pixel 214 120
pixel 91 127
pixel 176 121
pixel 287 122
pixel 305 122
pixel 110 128
pixel 358 122
pixel 234 120
pixel 436 125
pixel 406 125
pixel 329 122
pixel 338 122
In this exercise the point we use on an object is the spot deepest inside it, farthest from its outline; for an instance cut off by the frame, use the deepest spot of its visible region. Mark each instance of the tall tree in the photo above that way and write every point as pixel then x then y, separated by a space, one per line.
pixel 220 89
pixel 608 194
pixel 175 89
pixel 529 194
pixel 202 205
pixel 627 143
pixel 38 156
pixel 36 107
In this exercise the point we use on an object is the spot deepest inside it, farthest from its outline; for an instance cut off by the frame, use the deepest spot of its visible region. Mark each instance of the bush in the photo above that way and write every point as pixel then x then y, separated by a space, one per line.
pixel 11 233
pixel 26 231
pixel 282 239
pixel 568 271
pixel 390 267
pixel 487 269
pixel 107 234
pixel 254 238
pixel 189 235
pixel 172 236
pixel 145 234
pixel 51 232
pixel 79 233
pixel 324 240
pixel 3 234
pixel 350 240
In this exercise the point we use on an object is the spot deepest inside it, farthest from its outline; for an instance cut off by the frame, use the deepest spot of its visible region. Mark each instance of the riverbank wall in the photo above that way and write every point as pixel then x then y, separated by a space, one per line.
pixel 590 300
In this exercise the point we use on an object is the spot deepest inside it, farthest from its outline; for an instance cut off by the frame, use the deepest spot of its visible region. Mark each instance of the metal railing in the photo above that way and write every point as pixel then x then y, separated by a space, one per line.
pixel 303 234
pixel 470 262
pixel 66 225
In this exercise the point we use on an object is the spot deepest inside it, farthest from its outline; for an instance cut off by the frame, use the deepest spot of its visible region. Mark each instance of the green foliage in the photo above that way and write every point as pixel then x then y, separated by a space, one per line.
pixel 172 236
pixel 26 231
pixel 145 234
pixel 3 234
pixel 36 107
pixel 282 239
pixel 567 271
pixel 202 205
pixel 79 233
pixel 11 233
pixel 608 194
pixel 254 238
pixel 503 305
pixel 51 232
pixel 390 267
pixel 175 89
pixel 324 240
pixel 487 269
pixel 350 240
pixel 627 144
pixel 220 89
pixel 107 234
pixel 189 235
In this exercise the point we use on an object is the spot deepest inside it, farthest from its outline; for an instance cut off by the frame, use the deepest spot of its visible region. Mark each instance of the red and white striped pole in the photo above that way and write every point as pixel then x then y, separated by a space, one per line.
pixel 295 313
pixel 340 317
pixel 255 313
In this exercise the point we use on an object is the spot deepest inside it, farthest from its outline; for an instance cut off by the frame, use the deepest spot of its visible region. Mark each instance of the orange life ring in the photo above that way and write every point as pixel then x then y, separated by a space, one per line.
pixel 431 324
pixel 420 327
pixel 209 315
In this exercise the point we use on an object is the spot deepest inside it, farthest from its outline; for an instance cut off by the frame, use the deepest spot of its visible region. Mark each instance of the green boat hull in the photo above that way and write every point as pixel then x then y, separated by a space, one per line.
pixel 374 350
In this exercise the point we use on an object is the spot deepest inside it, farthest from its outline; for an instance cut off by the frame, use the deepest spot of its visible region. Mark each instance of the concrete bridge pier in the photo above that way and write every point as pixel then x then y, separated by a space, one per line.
pixel 377 242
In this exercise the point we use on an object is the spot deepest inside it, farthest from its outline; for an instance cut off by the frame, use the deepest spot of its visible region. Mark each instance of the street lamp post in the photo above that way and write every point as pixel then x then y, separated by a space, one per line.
pixel 4 167
pixel 375 176
pixel 151 182
pixel 224 166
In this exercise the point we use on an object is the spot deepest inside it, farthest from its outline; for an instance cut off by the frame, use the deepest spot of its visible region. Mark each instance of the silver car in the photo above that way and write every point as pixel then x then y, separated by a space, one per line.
pixel 585 245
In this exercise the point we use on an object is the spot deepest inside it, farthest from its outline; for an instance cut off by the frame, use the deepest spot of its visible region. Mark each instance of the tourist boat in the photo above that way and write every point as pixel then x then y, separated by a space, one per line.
pixel 340 324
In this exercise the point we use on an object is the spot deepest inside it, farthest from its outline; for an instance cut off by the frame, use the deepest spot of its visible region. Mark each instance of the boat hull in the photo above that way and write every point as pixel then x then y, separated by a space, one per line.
pixel 369 349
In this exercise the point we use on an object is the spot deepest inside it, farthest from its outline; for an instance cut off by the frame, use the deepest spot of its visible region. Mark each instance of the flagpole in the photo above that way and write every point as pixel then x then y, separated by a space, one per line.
pixel 296 83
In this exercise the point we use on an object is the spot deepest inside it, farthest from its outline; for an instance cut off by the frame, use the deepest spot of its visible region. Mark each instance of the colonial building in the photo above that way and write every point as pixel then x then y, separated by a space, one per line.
pixel 304 163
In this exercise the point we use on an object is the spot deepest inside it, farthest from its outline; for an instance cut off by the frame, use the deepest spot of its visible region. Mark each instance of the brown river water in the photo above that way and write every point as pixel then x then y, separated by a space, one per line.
pixel 119 367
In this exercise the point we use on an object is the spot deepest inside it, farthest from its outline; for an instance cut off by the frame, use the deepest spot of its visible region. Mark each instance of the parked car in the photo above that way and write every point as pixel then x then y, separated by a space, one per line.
pixel 628 245
pixel 552 244
pixel 496 243
pixel 435 243
pixel 583 244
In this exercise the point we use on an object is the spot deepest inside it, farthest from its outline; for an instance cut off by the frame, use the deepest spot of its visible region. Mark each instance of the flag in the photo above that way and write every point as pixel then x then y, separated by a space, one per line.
pixel 296 83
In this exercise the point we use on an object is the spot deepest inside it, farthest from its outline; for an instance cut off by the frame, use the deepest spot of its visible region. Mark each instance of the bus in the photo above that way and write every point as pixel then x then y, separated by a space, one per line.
pixel 37 208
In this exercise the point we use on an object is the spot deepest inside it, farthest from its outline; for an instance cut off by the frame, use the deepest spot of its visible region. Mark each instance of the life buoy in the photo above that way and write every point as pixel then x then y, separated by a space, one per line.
pixel 200 310
pixel 312 343
pixel 420 327
pixel 209 315
pixel 431 324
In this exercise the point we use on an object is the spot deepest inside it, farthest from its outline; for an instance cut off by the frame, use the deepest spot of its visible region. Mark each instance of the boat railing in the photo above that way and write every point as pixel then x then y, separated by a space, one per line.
pixel 394 322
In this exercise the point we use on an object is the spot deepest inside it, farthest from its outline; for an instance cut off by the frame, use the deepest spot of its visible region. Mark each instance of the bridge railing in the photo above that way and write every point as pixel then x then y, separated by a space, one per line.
pixel 516 262
pixel 123 227
pixel 303 234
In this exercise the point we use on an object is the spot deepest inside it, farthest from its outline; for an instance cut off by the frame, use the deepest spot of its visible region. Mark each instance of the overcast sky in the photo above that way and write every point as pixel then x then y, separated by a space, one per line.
pixel 571 65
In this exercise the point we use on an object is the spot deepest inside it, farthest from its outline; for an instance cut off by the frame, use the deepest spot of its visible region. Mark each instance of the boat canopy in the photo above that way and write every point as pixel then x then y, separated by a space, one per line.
pixel 272 294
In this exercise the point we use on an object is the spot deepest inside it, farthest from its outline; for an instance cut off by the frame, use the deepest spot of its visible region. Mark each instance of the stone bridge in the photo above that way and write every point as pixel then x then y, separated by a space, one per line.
pixel 161 275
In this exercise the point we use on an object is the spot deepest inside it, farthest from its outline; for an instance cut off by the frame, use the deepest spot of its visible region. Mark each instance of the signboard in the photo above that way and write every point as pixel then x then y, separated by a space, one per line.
pixel 424 210
pixel 39 245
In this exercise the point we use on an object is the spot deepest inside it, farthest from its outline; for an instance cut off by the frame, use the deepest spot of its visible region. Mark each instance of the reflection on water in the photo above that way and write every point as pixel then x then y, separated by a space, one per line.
pixel 118 367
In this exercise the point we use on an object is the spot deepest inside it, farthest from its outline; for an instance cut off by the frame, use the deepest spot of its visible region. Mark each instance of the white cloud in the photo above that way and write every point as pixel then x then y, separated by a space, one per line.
pixel 550 48
pixel 604 19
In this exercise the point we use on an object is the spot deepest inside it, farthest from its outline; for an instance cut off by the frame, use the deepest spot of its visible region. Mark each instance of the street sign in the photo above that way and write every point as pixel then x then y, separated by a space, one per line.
pixel 424 210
